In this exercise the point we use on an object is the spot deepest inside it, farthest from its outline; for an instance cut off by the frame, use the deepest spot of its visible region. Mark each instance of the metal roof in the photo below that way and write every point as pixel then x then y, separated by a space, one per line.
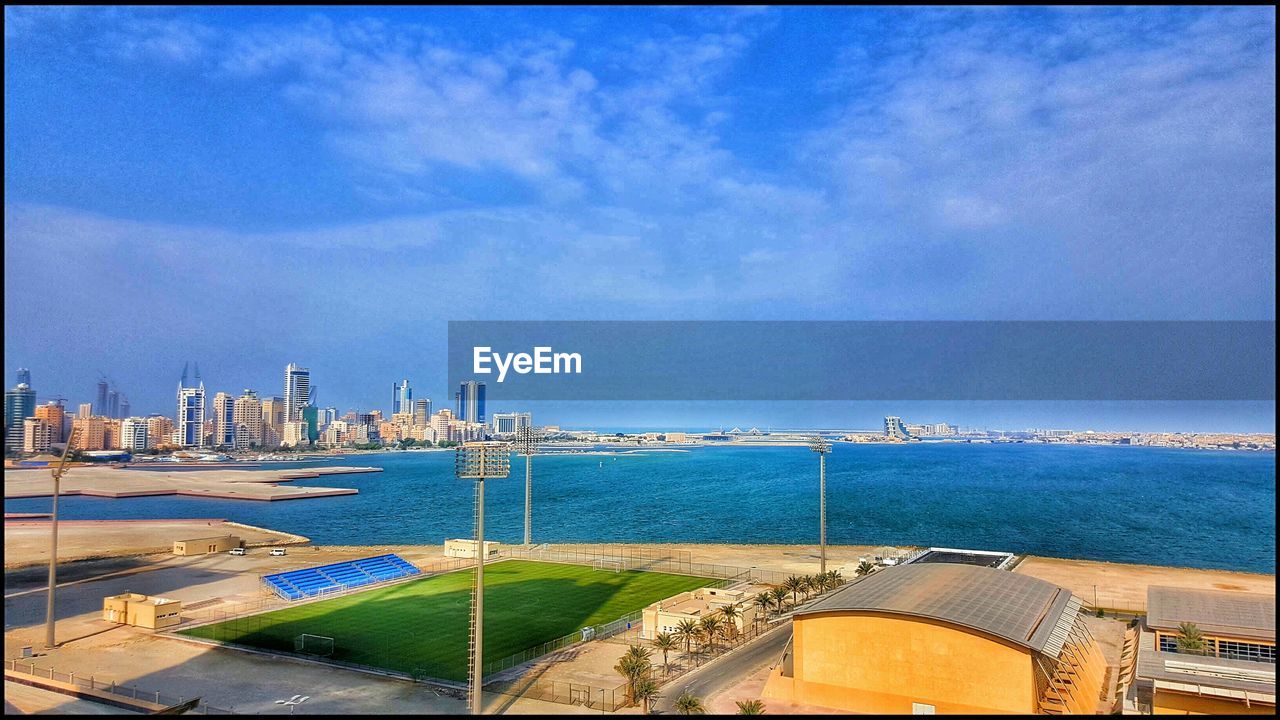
pixel 1248 616
pixel 1021 609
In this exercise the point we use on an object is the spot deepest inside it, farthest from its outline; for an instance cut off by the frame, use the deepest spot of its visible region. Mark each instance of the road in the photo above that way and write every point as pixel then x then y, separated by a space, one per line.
pixel 724 672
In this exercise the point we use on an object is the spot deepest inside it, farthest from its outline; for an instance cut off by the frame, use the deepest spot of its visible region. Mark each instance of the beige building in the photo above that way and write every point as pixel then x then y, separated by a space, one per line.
pixel 142 611
pixel 90 433
pixel 206 545
pixel 111 434
pixel 272 421
pixel 665 615
pixel 55 415
pixel 37 435
pixel 159 431
pixel 295 434
pixel 247 415
pixel 85 410
pixel 463 548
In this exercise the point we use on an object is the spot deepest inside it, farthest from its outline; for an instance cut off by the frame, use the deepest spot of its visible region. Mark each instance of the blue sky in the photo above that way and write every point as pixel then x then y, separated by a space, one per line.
pixel 251 187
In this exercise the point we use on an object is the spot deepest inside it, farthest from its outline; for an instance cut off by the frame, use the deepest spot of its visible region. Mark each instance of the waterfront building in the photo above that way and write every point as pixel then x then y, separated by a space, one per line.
pixel 84 410
pixel 295 434
pixel 224 420
pixel 247 415
pixel 942 638
pixel 272 435
pixel 100 405
pixel 24 377
pixel 324 416
pixel 441 423
pixel 401 397
pixel 133 434
pixel 510 423
pixel 311 416
pixel 297 391
pixel 389 431
pixel 470 401
pixel 159 430
pixel 894 428
pixel 53 414
pixel 1232 672
pixel 37 435
pixel 423 433
pixel 19 404
pixel 422 412
pixel 272 421
pixel 111 434
pixel 190 425
pixel 90 433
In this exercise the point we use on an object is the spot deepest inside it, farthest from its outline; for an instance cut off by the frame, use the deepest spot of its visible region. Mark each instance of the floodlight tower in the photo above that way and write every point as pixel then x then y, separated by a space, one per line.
pixel 527 439
pixel 49 640
pixel 820 445
pixel 479 461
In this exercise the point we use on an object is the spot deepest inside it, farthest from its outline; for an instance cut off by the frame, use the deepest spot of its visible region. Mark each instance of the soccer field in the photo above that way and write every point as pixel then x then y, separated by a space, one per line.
pixel 421 626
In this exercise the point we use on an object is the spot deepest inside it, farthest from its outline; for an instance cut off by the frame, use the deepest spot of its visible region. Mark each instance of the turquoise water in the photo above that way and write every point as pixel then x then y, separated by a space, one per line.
pixel 1123 504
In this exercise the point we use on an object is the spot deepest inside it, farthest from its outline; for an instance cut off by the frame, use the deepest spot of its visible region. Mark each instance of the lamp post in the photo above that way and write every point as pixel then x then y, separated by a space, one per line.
pixel 50 641
pixel 821 446
pixel 478 461
pixel 526 444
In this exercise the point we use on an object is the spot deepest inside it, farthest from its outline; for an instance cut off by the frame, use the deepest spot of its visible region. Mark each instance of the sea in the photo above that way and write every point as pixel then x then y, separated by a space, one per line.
pixel 1160 506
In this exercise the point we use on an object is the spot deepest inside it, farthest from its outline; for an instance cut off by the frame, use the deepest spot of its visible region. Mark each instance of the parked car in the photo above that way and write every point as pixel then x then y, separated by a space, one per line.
pixel 277 551
pixel 237 551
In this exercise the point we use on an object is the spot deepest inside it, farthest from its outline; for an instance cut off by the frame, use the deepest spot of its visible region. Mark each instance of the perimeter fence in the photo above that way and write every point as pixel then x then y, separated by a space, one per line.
pixel 129 695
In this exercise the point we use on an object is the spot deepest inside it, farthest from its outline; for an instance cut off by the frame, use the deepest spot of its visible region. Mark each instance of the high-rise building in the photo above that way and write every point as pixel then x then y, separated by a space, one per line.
pixel 297 391
pixel 113 404
pixel 89 432
pixel 125 407
pixel 442 424
pixel 422 412
pixel 133 434
pixel 509 423
pixel 19 404
pixel 470 398
pixel 247 415
pixel 190 425
pixel 224 422
pixel 112 435
pixel 100 406
pixel 894 428
pixel 273 413
pixel 159 430
pixel 401 397
pixel 52 413
pixel 311 416
pixel 24 377
pixel 295 433
pixel 37 435
pixel 85 410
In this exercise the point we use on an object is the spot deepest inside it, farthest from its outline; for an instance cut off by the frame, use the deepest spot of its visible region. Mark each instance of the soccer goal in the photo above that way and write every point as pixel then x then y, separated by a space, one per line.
pixel 317 645
pixel 609 565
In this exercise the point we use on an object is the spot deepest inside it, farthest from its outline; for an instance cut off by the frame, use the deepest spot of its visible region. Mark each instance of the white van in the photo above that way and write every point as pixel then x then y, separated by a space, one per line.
pixel 237 551
pixel 277 551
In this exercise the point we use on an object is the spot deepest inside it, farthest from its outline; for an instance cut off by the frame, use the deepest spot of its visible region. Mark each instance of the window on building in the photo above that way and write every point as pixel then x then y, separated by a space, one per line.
pixel 1247 651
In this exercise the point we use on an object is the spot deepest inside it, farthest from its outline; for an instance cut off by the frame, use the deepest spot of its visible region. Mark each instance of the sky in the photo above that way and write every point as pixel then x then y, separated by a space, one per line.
pixel 249 187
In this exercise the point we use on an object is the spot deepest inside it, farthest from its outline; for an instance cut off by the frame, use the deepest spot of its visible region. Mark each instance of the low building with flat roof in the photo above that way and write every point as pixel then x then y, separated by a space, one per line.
pixel 1233 670
pixel 143 611
pixel 665 615
pixel 206 545
pixel 942 638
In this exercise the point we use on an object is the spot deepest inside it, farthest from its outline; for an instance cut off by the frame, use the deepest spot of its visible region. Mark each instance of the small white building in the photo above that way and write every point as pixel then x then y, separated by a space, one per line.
pixel 461 548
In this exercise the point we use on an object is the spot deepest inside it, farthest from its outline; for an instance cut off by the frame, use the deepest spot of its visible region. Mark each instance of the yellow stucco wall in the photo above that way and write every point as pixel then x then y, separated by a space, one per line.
pixel 1173 703
pixel 883 663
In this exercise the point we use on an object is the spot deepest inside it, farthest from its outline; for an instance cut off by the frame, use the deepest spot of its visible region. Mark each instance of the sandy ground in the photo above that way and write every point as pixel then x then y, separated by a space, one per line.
pixel 26 542
pixel 105 481
pixel 1124 587
pixel 22 699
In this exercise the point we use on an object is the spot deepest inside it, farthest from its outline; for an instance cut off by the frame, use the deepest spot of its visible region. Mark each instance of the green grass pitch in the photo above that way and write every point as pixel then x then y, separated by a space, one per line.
pixel 421 626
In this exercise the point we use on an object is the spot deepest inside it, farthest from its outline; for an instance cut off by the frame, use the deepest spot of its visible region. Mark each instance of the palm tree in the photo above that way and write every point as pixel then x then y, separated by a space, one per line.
pixel 865 568
pixel 646 692
pixel 665 642
pixel 633 667
pixel 731 613
pixel 750 707
pixel 1190 640
pixel 793 585
pixel 639 652
pixel 779 597
pixel 836 578
pixel 711 625
pixel 688 704
pixel 764 601
pixel 687 630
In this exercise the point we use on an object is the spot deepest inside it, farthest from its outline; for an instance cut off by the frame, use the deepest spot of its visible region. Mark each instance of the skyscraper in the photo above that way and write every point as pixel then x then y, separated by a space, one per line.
pixel 297 391
pixel 100 407
pixel 470 397
pixel 113 404
pixel 224 424
pixel 190 426
pixel 248 418
pixel 422 412
pixel 401 397
pixel 24 377
pixel 19 404
pixel 124 406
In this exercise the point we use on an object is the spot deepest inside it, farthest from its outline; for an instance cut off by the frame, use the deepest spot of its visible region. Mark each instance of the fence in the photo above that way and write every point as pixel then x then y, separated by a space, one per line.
pixel 629 557
pixel 124 692
pixel 564 693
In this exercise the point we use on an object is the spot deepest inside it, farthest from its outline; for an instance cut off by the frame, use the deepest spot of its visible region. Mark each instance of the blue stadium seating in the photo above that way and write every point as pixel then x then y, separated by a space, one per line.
pixel 309 582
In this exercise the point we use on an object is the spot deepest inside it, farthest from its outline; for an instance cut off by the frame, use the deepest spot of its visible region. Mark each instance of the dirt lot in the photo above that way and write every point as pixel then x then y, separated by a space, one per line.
pixel 226 483
pixel 1124 587
pixel 26 542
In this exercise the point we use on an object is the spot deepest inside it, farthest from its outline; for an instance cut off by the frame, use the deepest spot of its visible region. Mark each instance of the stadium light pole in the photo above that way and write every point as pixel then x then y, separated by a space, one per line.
pixel 479 461
pixel 527 439
pixel 50 641
pixel 821 446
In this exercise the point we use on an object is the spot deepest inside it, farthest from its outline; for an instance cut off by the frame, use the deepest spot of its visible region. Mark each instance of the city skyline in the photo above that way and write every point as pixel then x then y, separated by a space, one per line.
pixel 781 163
